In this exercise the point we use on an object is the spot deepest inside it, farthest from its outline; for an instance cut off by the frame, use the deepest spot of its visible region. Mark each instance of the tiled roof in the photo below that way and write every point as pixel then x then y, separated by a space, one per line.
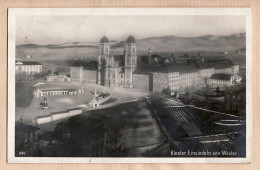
pixel 87 65
pixel 143 68
pixel 221 76
pixel 156 59
pixel 181 68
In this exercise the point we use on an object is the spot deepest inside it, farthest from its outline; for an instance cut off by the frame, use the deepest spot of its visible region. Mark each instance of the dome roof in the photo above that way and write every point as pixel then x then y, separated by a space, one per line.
pixel 104 40
pixel 131 39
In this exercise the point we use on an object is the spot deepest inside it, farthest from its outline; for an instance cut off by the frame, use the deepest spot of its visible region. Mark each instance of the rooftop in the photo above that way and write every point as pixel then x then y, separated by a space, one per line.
pixel 87 65
pixel 221 76
pixel 213 63
pixel 181 68
pixel 28 63
pixel 144 68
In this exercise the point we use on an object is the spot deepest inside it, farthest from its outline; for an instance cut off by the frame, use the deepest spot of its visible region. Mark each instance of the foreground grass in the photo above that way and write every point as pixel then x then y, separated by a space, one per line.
pixel 23 93
pixel 130 125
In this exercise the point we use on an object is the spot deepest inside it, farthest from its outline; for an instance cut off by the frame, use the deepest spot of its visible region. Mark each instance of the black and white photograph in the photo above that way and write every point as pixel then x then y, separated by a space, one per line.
pixel 129 85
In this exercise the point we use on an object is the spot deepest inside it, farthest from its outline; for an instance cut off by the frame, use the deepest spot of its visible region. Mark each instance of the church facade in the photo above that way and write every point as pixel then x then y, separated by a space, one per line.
pixel 117 70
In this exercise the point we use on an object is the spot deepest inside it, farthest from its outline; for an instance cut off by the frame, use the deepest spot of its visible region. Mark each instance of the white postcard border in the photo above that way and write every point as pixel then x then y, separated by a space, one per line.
pixel 13 12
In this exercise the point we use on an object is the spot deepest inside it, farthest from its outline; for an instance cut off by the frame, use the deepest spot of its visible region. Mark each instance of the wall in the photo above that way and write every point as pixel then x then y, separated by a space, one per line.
pixel 53 117
pixel 90 76
pixel 141 81
pixel 189 79
pixel 114 77
pixel 236 69
pixel 43 120
pixel 205 74
pixel 74 74
pixel 224 70
pixel 174 81
pixel 220 83
pixel 128 78
pixel 65 114
pixel 160 81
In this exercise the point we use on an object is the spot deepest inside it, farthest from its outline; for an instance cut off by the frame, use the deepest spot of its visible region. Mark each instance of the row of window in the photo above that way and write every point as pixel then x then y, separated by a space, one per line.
pixel 29 67
pixel 218 84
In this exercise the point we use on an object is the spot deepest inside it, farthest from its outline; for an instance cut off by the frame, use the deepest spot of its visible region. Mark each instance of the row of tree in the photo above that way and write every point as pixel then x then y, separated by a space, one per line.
pixel 42 74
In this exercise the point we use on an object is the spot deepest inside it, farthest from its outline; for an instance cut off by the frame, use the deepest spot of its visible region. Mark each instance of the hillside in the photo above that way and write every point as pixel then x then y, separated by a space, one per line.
pixel 207 43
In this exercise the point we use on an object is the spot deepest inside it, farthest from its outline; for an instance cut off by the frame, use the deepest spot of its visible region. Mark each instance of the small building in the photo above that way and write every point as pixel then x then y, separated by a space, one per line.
pixel 98 99
pixel 28 67
pixel 61 78
pixel 93 103
pixel 56 92
pixel 224 80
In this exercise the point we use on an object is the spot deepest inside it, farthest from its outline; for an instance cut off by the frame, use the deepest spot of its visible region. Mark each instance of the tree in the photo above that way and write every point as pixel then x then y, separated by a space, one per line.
pixel 59 71
pixel 187 94
pixel 217 90
pixel 173 58
pixel 166 91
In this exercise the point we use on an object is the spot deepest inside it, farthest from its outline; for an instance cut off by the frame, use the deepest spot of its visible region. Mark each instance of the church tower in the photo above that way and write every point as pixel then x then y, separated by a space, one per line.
pixel 130 60
pixel 104 53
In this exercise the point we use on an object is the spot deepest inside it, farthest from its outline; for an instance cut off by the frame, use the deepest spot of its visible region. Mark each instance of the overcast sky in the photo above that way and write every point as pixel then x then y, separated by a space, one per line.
pixel 63 29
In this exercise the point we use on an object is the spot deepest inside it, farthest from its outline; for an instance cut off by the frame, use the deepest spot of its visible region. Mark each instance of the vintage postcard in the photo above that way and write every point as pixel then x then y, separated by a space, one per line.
pixel 129 85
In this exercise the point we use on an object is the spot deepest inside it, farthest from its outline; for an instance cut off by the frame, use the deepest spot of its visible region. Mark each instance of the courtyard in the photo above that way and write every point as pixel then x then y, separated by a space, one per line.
pixel 28 107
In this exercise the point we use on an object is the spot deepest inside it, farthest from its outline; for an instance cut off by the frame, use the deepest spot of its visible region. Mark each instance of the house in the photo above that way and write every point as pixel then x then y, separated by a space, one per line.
pixel 28 67
pixel 224 80
pixel 235 99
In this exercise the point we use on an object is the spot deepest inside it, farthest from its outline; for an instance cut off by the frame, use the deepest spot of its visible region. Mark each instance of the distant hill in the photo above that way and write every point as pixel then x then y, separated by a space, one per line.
pixel 65 45
pixel 171 43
